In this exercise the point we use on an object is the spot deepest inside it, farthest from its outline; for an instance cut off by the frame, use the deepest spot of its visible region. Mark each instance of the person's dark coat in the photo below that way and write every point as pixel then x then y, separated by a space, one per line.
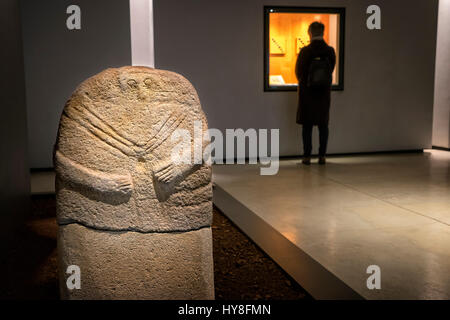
pixel 313 103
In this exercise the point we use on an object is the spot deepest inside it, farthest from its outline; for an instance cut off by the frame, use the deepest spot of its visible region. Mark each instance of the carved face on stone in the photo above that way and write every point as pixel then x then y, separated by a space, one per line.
pixel 139 100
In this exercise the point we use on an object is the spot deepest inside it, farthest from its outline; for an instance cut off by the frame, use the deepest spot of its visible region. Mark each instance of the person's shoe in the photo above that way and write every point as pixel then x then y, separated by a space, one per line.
pixel 306 161
pixel 322 160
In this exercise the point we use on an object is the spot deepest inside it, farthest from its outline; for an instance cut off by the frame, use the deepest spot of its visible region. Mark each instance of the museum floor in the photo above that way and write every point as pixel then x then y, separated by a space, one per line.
pixel 325 225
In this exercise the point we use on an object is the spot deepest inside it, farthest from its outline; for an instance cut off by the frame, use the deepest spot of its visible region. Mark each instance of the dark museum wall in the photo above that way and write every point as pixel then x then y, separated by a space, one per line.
pixel 387 102
pixel 15 180
pixel 441 115
pixel 58 59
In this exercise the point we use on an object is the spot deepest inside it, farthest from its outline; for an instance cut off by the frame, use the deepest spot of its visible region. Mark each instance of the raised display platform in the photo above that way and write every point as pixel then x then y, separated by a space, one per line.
pixel 325 225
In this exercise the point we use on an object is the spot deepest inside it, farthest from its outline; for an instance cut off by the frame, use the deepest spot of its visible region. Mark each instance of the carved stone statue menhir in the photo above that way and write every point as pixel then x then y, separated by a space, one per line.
pixel 136 224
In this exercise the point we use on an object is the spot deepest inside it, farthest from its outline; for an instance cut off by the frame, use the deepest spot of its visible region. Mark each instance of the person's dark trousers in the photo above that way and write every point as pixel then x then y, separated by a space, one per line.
pixel 307 140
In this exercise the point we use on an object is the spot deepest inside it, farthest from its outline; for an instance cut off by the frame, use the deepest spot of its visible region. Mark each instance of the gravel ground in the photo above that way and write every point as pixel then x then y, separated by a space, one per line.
pixel 241 270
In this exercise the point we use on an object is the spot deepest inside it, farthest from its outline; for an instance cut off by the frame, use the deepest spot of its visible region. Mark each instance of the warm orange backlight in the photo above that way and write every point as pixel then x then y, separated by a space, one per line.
pixel 288 33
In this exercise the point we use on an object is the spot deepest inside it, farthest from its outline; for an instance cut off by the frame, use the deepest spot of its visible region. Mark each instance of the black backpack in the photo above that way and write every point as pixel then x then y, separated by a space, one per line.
pixel 319 75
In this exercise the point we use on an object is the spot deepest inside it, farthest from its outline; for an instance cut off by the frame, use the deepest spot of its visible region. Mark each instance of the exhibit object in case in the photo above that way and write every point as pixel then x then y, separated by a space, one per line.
pixel 278 45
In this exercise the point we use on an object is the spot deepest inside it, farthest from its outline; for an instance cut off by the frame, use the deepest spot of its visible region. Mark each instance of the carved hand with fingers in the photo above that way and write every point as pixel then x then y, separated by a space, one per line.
pixel 167 172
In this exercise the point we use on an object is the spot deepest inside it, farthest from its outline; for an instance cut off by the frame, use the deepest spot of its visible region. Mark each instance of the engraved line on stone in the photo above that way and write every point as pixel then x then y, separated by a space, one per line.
pixel 175 122
pixel 86 95
pixel 174 231
pixel 162 133
pixel 99 133
pixel 161 124
pixel 122 149
pixel 72 171
pixel 99 122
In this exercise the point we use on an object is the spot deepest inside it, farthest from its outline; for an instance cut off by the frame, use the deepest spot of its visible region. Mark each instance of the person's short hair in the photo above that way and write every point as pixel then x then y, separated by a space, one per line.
pixel 316 29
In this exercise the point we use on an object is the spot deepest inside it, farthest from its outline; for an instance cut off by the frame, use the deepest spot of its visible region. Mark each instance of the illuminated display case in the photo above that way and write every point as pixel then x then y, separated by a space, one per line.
pixel 286 32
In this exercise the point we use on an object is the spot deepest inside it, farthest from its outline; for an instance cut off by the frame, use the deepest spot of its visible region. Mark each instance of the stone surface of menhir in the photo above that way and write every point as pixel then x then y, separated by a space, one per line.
pixel 137 224
pixel 114 146
pixel 132 265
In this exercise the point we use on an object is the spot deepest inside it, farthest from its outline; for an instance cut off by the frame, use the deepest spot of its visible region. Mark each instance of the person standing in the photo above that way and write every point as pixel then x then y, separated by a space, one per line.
pixel 314 68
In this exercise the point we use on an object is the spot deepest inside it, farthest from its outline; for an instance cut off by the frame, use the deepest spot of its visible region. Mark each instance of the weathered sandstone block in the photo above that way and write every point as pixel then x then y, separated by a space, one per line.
pixel 133 265
pixel 129 217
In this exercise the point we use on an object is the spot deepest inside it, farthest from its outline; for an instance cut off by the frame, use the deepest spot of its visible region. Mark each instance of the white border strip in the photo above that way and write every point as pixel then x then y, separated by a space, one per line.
pixel 142 37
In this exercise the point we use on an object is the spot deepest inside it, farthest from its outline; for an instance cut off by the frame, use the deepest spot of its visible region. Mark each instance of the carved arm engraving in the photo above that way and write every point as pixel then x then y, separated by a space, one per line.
pixel 74 172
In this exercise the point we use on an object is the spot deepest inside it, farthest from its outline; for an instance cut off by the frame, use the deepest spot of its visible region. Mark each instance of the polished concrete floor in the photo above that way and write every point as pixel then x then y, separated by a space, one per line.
pixel 392 211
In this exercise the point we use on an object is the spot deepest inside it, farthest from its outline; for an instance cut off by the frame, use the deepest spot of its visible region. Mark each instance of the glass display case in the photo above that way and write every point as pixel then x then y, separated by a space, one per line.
pixel 286 33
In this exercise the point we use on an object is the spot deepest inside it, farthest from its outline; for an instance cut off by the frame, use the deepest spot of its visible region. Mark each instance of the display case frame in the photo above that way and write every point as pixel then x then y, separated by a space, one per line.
pixel 341 38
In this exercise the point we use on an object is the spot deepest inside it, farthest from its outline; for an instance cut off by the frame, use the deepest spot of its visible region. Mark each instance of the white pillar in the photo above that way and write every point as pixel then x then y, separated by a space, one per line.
pixel 142 41
pixel 441 112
